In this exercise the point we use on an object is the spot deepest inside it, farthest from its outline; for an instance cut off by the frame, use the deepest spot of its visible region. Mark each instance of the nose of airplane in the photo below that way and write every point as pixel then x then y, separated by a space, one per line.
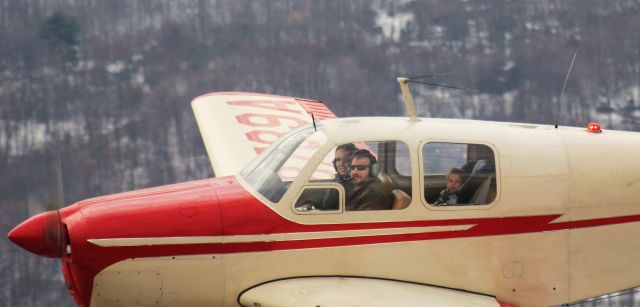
pixel 40 234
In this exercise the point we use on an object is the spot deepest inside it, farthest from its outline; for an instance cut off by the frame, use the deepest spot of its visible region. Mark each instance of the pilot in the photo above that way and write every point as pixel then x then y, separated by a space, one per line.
pixel 367 193
pixel 449 196
pixel 329 200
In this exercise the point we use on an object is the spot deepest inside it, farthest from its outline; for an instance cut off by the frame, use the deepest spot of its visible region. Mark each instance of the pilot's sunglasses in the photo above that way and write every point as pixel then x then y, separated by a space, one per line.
pixel 360 167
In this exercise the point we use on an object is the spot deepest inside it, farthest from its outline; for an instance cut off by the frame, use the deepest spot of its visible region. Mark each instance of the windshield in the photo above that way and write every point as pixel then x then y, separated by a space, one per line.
pixel 271 173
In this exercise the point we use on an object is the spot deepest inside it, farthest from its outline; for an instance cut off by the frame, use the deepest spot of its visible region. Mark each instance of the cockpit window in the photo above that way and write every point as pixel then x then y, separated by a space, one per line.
pixel 272 172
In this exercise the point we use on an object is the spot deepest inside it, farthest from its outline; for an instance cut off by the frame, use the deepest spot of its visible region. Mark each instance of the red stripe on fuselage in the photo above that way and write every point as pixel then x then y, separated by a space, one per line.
pixel 242 214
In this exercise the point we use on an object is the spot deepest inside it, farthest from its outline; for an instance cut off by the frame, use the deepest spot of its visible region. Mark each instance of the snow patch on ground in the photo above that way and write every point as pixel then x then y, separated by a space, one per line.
pixel 115 67
pixel 392 24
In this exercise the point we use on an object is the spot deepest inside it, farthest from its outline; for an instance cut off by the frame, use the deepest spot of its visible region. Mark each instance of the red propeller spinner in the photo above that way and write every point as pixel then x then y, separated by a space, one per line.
pixel 41 234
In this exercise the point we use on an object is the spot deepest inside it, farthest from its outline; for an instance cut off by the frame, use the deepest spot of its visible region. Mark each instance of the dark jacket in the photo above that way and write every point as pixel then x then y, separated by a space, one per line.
pixel 372 195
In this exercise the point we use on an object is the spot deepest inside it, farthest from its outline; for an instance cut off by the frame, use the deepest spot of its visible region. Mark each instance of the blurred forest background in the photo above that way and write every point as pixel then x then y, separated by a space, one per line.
pixel 105 86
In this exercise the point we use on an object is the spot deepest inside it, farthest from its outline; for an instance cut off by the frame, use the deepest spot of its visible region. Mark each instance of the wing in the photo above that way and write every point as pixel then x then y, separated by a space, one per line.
pixel 357 291
pixel 236 127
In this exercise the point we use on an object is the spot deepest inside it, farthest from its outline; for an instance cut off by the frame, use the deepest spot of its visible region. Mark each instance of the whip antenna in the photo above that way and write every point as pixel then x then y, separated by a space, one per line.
pixel 563 86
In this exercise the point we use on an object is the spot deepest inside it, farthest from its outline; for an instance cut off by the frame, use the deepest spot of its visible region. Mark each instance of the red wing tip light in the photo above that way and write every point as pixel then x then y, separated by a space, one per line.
pixel 40 234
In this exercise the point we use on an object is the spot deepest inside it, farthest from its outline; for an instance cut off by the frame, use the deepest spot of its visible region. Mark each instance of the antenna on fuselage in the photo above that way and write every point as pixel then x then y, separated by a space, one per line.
pixel 313 119
pixel 408 99
pixel 563 86
pixel 406 93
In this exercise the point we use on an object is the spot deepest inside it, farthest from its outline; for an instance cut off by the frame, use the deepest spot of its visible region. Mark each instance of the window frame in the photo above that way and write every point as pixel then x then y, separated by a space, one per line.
pixel 321 154
pixel 249 173
pixel 320 185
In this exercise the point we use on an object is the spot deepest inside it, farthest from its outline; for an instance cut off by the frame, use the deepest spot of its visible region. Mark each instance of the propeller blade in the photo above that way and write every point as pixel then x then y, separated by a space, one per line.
pixel 58 199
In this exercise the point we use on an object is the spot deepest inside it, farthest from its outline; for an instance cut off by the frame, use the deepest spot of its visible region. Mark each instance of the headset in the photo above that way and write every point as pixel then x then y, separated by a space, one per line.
pixel 363 153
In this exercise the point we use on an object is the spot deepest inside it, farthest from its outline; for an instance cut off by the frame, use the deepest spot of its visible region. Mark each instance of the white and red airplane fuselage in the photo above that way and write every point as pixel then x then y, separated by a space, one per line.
pixel 561 228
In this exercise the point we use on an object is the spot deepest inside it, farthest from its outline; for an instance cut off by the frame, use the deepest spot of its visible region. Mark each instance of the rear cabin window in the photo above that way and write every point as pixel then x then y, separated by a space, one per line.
pixel 373 176
pixel 458 174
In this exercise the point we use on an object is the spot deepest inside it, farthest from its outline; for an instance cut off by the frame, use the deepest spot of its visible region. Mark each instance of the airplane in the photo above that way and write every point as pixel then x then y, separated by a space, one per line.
pixel 545 216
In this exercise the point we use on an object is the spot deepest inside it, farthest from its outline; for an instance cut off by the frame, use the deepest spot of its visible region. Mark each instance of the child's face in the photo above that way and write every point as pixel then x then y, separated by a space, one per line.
pixel 453 182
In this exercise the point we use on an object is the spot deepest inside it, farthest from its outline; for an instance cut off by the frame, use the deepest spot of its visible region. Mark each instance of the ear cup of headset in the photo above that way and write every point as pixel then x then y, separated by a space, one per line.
pixel 375 170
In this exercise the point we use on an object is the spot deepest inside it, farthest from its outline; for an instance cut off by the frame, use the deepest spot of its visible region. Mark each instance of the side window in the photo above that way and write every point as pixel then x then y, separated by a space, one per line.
pixel 318 199
pixel 458 174
pixel 403 166
pixel 374 175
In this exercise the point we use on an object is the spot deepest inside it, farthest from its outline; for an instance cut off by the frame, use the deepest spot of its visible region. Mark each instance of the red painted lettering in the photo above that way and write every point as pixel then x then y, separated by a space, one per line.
pixel 268 120
pixel 310 145
pixel 262 136
pixel 280 105
pixel 288 173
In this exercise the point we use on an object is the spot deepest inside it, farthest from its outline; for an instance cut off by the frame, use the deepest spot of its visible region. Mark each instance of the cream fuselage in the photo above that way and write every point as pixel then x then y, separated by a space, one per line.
pixel 565 215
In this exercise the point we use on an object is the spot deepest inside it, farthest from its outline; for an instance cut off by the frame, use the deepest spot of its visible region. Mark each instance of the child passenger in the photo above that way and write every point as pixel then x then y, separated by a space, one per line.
pixel 449 196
